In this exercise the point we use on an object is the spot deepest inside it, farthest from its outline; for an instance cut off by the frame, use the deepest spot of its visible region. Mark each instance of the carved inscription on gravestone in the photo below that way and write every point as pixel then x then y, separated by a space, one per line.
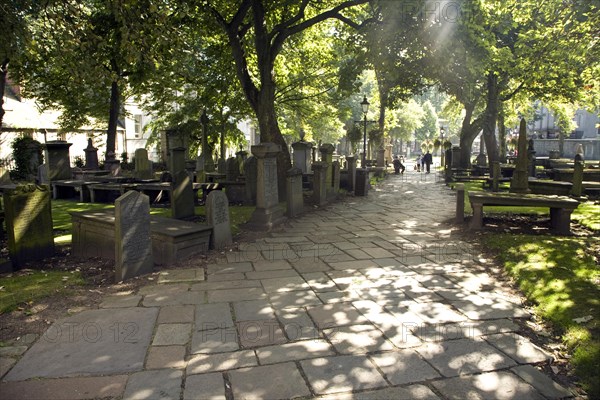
pixel 133 246
pixel 217 214
pixel 270 186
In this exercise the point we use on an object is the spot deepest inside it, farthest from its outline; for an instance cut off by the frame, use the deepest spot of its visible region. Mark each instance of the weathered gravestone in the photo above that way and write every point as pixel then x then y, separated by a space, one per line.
pixel 294 195
pixel 319 183
pixel 143 166
pixel 336 178
pixel 28 223
pixel 520 181
pixel 268 213
pixel 232 169
pixel 217 216
pixel 182 196
pixel 327 159
pixel 351 166
pixel 250 175
pixel 91 156
pixel 59 162
pixel 577 187
pixel 133 244
pixel 302 155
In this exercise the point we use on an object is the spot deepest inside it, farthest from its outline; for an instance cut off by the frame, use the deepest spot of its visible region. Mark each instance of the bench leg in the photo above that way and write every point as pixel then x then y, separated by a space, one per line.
pixel 560 220
pixel 477 220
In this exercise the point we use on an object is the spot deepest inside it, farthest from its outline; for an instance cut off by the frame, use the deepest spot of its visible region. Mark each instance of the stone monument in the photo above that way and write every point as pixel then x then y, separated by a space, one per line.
pixel 335 190
pixel 250 174
pixel 59 161
pixel 28 218
pixel 232 170
pixel 143 166
pixel 327 159
pixel 294 195
pixel 519 182
pixel 577 187
pixel 217 216
pixel 319 183
pixel 182 192
pixel 531 158
pixel 91 156
pixel 133 243
pixel 302 155
pixel 268 213
pixel 351 165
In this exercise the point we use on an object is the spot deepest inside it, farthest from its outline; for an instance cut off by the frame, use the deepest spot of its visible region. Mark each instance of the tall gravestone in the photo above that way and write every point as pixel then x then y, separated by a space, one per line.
pixel 520 181
pixel 327 159
pixel 222 166
pixel 302 155
pixel 4 175
pixel 91 156
pixel 133 243
pixel 381 157
pixel 361 185
pixel 531 158
pixel 294 195
pixel 577 187
pixel 59 161
pixel 217 215
pixel 455 158
pixel 268 213
pixel 319 183
pixel 28 218
pixel 232 169
pixel 351 165
pixel 250 174
pixel 335 179
pixel 182 192
pixel 143 166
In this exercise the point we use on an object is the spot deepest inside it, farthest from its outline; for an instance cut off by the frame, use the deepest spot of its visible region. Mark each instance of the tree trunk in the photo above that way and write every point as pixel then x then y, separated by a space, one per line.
pixel 501 132
pixel 3 74
pixel 270 132
pixel 491 117
pixel 468 133
pixel 113 118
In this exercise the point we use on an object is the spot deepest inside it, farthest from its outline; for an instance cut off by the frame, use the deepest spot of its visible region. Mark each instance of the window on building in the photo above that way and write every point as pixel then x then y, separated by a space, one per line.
pixel 137 125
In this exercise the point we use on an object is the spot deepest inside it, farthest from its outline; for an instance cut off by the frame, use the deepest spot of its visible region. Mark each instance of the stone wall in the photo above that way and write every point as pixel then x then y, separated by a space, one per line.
pixel 591 147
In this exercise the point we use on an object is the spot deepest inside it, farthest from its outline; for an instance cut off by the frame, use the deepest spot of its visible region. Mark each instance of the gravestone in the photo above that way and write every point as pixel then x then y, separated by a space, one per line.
pixel 336 178
pixel 177 160
pixel 481 159
pixel 302 155
pixel 327 159
pixel 460 203
pixel 455 158
pixel 496 172
pixel 251 173
pixel 182 196
pixel 222 166
pixel 361 187
pixel 217 216
pixel 577 187
pixel 28 219
pixel 232 169
pixel 143 166
pixel 200 173
pixel 42 176
pixel 294 195
pixel 520 181
pixel 91 156
pixel 133 244
pixel 319 183
pixel 59 162
pixel 531 158
pixel 268 213
pixel 351 165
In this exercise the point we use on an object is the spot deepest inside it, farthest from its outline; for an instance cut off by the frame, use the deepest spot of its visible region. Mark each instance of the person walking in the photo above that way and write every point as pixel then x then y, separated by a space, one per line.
pixel 428 160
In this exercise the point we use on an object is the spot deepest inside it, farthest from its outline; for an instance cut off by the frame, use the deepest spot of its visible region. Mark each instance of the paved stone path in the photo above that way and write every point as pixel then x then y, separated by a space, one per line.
pixel 370 298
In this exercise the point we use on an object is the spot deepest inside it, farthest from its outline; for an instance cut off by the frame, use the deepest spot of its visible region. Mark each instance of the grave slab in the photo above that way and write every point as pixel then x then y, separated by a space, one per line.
pixel 164 384
pixel 82 388
pixel 541 382
pixel 203 363
pixel 160 357
pixel 492 385
pixel 296 351
pixel 95 342
pixel 404 367
pixel 206 386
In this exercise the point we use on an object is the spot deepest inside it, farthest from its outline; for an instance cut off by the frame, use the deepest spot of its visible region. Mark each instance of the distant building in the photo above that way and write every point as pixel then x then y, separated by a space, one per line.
pixel 587 125
pixel 23 118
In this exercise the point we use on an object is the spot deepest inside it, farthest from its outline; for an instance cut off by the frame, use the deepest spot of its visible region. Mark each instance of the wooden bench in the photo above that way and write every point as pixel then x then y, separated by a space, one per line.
pixel 560 207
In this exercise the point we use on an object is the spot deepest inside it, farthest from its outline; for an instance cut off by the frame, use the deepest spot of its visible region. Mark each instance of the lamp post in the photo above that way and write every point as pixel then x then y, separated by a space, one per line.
pixel 443 150
pixel 365 109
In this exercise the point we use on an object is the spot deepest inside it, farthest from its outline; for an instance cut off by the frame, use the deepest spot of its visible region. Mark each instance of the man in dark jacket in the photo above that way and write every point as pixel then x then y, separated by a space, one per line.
pixel 428 160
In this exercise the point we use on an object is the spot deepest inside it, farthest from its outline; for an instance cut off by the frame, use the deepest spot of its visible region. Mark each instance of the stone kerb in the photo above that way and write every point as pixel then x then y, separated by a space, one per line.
pixel 28 218
pixel 217 215
pixel 133 244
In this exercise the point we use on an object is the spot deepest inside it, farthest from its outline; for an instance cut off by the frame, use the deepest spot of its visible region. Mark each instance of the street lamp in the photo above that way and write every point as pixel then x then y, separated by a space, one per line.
pixel 365 109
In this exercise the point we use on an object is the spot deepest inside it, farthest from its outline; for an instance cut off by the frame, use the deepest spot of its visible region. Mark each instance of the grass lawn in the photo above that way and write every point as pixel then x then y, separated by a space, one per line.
pixel 26 287
pixel 561 278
